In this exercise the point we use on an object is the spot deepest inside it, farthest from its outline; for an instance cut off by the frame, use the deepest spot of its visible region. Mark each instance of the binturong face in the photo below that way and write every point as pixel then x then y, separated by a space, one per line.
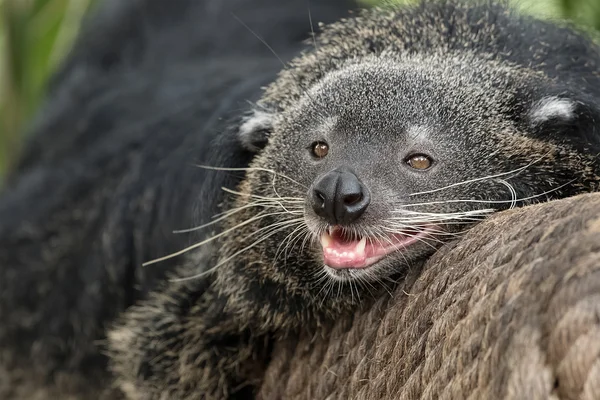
pixel 377 164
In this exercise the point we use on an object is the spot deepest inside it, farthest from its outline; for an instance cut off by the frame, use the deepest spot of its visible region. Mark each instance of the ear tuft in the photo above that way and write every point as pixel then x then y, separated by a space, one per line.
pixel 255 130
pixel 567 117
pixel 553 108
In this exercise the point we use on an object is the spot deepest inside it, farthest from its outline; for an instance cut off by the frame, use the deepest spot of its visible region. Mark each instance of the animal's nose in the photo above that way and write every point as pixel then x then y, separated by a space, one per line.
pixel 340 197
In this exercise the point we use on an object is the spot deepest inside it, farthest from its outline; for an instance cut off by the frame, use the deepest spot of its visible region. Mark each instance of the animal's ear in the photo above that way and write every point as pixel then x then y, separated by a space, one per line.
pixel 255 130
pixel 570 117
pixel 553 109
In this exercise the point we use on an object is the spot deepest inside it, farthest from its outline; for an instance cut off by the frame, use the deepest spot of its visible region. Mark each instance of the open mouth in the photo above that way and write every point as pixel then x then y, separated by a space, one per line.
pixel 342 250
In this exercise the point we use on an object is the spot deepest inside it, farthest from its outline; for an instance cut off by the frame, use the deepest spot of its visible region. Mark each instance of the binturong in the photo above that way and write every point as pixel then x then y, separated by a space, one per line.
pixel 390 135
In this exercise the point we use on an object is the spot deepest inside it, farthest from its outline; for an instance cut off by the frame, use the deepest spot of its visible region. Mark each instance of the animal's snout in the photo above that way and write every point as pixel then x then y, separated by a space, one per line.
pixel 340 197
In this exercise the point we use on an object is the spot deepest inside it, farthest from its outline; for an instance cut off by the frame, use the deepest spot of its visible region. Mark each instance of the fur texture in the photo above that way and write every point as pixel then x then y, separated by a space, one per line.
pixel 150 89
pixel 477 79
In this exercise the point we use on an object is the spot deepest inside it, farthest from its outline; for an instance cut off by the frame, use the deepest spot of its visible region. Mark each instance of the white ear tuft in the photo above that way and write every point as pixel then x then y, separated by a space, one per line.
pixel 255 129
pixel 552 107
pixel 259 120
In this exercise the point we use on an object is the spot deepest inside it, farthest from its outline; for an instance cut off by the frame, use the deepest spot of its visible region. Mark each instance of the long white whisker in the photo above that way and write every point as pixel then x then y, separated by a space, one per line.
pixel 286 241
pixel 513 193
pixel 255 196
pixel 307 237
pixel 247 169
pixel 295 240
pixel 269 228
pixel 278 200
pixel 210 239
pixel 214 268
pixel 514 171
pixel 490 201
pixel 419 214
pixel 440 232
pixel 380 234
pixel 285 67
pixel 225 215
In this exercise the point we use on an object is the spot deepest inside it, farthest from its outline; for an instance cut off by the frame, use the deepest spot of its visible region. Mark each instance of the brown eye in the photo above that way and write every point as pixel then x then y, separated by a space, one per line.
pixel 419 161
pixel 320 149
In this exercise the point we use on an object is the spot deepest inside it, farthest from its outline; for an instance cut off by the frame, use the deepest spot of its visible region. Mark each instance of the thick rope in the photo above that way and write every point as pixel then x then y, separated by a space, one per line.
pixel 510 311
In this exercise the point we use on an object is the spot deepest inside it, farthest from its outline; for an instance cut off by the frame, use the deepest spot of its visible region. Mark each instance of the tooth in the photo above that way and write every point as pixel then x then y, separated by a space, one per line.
pixel 330 229
pixel 325 240
pixel 360 247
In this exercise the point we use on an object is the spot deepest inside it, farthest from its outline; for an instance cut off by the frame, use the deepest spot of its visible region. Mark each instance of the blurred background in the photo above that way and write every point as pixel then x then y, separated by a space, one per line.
pixel 36 34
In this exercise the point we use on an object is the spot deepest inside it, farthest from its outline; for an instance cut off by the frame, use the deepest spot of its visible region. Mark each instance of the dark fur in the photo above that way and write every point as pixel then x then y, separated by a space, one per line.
pixel 107 176
pixel 149 90
pixel 482 73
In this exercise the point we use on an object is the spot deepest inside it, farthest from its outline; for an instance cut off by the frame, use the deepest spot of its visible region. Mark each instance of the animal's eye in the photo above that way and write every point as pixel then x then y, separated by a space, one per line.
pixel 419 161
pixel 319 149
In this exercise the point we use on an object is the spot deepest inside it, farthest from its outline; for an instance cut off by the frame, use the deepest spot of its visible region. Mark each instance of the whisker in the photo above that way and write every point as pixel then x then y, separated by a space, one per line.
pixel 228 214
pixel 285 66
pixel 307 236
pixel 256 35
pixel 268 228
pixel 424 240
pixel 436 218
pixel 210 239
pixel 353 283
pixel 328 284
pixel 402 224
pixel 283 242
pixel 319 279
pixel 279 200
pixel 248 169
pixel 490 201
pixel 214 268
pixel 382 281
pixel 451 214
pixel 314 36
pixel 409 222
pixel 255 196
pixel 399 245
pixel 259 203
pixel 514 171
pixel 366 284
pixel 381 234
pixel 438 232
pixel 295 240
pixel 513 193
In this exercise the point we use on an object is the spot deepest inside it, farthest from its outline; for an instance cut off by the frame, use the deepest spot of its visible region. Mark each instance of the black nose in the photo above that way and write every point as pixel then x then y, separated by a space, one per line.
pixel 340 197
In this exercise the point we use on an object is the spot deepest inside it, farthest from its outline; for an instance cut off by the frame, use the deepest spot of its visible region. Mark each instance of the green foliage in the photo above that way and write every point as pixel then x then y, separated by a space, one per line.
pixel 36 34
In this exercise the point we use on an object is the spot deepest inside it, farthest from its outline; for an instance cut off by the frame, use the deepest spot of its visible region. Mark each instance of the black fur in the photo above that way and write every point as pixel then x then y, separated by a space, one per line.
pixel 149 89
